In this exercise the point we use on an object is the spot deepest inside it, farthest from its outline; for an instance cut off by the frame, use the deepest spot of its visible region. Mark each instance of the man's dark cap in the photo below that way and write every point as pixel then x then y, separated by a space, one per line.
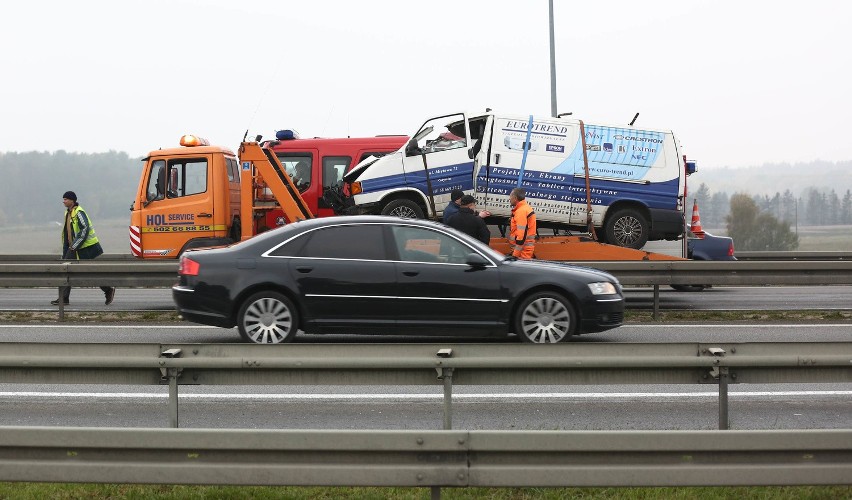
pixel 467 200
pixel 70 195
pixel 456 194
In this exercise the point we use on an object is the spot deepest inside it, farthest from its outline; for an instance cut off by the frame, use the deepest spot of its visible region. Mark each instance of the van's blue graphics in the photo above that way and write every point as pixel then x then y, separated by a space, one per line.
pixel 571 188
pixel 443 179
pixel 606 146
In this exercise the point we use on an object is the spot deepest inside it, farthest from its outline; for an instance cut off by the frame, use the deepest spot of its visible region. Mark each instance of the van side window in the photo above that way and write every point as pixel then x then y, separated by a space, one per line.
pixel 441 134
pixel 187 177
pixel 333 168
pixel 299 167
pixel 157 181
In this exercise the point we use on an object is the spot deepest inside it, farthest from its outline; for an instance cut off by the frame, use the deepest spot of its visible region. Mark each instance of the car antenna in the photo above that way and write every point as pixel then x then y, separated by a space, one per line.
pixel 633 120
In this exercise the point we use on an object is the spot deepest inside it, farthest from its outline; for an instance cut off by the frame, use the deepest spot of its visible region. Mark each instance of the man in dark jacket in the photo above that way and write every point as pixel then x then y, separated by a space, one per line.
pixel 470 222
pixel 452 207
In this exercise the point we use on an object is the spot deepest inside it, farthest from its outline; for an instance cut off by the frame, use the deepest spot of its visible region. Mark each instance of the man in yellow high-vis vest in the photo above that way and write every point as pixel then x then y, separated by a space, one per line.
pixel 79 242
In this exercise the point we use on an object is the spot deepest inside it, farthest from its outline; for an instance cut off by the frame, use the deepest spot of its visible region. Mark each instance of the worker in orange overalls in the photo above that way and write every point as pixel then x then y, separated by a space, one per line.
pixel 523 229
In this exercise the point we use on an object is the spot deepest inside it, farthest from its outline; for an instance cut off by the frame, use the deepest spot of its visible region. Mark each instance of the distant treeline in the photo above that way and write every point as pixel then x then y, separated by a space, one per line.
pixel 813 208
pixel 33 183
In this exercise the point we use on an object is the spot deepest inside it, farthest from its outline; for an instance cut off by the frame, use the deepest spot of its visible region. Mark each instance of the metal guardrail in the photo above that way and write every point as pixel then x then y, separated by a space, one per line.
pixel 425 364
pixel 164 273
pixel 135 273
pixel 426 458
pixel 797 255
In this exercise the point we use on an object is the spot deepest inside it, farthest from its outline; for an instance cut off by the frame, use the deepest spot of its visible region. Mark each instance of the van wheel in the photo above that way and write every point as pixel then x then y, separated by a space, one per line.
pixel 545 318
pixel 405 209
pixel 268 318
pixel 627 228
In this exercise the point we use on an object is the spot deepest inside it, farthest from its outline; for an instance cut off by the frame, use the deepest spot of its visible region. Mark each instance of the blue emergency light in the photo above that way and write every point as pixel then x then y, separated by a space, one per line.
pixel 286 135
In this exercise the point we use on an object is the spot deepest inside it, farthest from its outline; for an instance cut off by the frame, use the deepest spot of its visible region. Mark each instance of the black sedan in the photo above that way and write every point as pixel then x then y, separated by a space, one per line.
pixel 387 275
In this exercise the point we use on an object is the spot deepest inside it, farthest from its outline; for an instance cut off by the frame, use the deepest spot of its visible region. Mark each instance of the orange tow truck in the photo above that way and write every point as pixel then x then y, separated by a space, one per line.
pixel 198 195
pixel 180 205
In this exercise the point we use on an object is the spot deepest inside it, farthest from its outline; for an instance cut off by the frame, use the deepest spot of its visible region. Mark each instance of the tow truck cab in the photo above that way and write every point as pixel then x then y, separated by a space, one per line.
pixel 187 197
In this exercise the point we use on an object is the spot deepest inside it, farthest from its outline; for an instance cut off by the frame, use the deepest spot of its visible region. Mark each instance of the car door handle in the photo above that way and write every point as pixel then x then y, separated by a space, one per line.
pixel 304 270
pixel 411 273
pixel 205 214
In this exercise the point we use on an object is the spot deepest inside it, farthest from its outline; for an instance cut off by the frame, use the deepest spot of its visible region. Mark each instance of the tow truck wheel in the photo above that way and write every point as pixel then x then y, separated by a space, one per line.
pixel 627 228
pixel 405 209
pixel 267 318
pixel 545 318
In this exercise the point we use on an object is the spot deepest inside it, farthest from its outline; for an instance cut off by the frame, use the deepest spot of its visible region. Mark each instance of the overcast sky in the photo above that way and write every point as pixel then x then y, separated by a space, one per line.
pixel 739 82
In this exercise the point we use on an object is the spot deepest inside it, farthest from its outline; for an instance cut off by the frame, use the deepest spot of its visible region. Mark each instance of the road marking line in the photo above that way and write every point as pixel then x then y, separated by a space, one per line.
pixel 331 397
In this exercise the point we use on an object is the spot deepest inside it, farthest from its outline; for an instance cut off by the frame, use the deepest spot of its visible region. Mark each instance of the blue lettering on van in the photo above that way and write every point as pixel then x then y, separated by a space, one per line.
pixel 537 128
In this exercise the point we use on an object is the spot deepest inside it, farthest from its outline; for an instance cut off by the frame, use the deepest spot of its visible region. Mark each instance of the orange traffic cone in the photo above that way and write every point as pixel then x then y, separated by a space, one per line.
pixel 696 221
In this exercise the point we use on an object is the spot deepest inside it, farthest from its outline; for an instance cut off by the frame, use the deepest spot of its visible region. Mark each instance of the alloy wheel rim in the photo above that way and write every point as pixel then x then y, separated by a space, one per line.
pixel 404 213
pixel 546 321
pixel 268 321
pixel 627 230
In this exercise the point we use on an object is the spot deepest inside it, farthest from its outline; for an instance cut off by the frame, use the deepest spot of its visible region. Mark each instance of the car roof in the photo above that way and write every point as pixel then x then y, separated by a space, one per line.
pixel 305 225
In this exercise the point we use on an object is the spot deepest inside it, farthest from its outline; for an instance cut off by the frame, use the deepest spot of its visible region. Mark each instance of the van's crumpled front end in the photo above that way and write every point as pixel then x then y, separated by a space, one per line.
pixel 369 181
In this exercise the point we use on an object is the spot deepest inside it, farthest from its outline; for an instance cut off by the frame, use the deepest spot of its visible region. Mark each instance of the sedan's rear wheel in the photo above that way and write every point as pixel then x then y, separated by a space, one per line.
pixel 545 318
pixel 268 318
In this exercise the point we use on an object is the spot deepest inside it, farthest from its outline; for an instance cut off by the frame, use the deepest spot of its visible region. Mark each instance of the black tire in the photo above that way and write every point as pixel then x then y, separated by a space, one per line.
pixel 689 288
pixel 268 318
pixel 404 209
pixel 236 230
pixel 627 228
pixel 545 318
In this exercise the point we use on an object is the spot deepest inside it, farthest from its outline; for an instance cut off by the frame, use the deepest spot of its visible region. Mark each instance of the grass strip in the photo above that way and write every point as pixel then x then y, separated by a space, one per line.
pixel 38 491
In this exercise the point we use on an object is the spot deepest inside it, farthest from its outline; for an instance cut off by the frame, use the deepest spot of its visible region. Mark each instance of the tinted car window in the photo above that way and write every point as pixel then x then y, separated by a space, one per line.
pixel 416 244
pixel 291 248
pixel 362 242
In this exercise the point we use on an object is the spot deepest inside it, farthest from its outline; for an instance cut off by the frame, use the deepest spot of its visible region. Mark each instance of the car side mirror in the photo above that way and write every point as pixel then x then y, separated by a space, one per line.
pixel 411 148
pixel 476 260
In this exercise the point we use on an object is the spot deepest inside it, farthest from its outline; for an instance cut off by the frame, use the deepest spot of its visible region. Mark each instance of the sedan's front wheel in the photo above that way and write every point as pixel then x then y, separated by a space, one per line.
pixel 268 318
pixel 545 318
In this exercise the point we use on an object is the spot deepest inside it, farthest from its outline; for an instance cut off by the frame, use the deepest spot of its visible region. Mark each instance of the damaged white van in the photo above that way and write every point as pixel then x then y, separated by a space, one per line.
pixel 633 180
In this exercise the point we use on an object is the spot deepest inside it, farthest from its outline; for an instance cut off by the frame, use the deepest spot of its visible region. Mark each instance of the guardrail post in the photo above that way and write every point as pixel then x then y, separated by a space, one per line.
pixel 723 398
pixel 720 373
pixel 656 313
pixel 61 303
pixel 171 374
pixel 446 374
